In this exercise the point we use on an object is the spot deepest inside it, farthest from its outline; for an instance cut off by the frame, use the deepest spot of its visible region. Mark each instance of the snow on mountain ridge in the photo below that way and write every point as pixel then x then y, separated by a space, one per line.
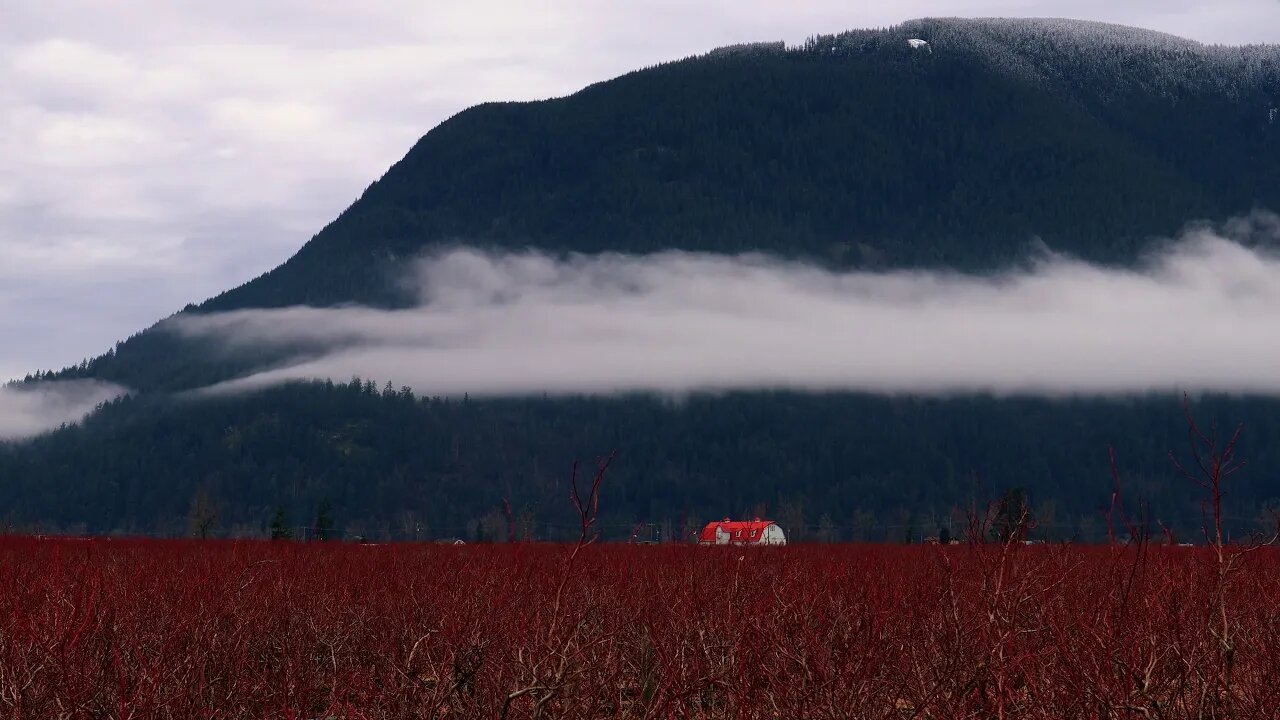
pixel 1105 59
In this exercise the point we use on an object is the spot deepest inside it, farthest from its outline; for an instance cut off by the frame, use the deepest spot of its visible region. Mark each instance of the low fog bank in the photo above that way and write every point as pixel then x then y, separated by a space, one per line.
pixel 1198 314
pixel 29 410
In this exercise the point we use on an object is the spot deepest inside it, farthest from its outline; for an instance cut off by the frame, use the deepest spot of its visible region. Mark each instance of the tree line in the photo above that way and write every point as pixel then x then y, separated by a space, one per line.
pixel 384 463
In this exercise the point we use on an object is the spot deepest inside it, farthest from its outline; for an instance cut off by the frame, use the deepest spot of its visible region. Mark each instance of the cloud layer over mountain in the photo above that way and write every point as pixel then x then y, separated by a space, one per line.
pixel 1197 315
pixel 30 410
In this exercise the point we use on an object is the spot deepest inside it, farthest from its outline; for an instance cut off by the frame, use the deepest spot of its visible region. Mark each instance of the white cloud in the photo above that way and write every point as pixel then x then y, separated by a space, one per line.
pixel 1198 316
pixel 26 411
pixel 199 144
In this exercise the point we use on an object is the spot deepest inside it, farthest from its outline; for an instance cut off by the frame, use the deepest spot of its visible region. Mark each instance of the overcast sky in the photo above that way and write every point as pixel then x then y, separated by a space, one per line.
pixel 155 155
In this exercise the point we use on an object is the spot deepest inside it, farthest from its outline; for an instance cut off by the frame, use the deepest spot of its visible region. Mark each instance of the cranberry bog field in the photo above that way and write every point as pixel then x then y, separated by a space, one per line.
pixel 109 628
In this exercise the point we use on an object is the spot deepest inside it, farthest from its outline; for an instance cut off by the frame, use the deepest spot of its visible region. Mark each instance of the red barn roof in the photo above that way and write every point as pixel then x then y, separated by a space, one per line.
pixel 739 531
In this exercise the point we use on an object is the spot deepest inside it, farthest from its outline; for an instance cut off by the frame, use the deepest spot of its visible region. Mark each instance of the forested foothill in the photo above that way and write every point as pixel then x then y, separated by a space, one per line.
pixel 828 467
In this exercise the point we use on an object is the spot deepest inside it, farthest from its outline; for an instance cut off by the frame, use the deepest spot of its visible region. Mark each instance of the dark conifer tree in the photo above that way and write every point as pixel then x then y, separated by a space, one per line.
pixel 323 527
pixel 280 525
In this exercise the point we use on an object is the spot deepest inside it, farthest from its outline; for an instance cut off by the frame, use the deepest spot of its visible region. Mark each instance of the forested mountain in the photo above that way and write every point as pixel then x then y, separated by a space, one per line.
pixel 851 150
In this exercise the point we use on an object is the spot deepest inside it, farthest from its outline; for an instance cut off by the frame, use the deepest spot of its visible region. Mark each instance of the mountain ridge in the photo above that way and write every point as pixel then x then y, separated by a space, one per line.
pixel 864 41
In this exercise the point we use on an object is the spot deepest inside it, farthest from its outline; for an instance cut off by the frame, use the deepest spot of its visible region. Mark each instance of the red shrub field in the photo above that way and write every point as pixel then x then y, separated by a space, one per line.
pixel 253 629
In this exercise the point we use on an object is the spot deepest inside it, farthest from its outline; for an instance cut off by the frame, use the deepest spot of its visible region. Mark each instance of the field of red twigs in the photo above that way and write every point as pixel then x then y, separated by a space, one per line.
pixel 222 629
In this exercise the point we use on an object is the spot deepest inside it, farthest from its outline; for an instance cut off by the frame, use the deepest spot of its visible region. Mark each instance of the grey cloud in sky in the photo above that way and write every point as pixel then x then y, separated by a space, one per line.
pixel 1198 316
pixel 155 153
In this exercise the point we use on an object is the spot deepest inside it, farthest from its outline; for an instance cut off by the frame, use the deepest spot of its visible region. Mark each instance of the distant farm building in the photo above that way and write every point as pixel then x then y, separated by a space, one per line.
pixel 742 532
pixel 918 44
